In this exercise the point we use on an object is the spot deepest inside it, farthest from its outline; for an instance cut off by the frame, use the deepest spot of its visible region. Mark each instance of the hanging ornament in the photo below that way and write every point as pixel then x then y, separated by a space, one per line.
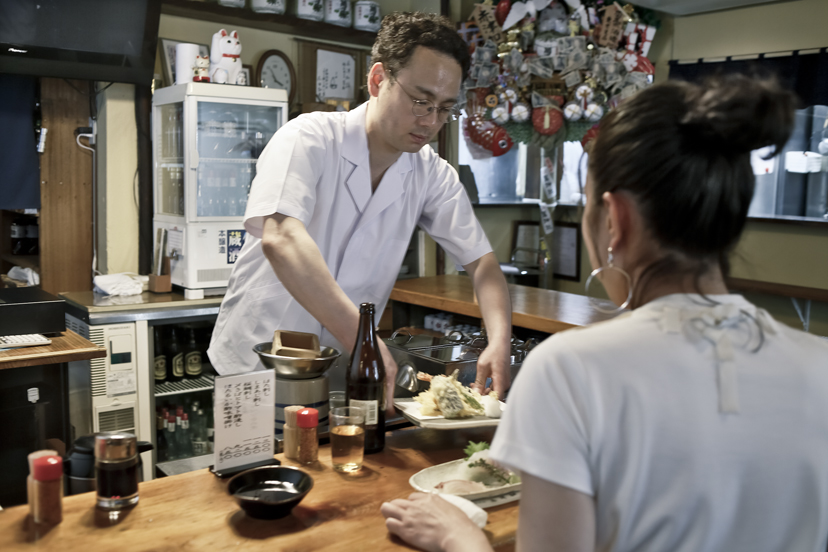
pixel 520 112
pixel 584 95
pixel 589 136
pixel 509 95
pixel 489 135
pixel 573 111
pixel 502 11
pixel 491 100
pixel 500 114
pixel 593 112
pixel 547 120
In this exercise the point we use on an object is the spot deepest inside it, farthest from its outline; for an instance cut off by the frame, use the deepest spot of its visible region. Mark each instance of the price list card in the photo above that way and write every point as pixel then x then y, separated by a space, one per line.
pixel 244 414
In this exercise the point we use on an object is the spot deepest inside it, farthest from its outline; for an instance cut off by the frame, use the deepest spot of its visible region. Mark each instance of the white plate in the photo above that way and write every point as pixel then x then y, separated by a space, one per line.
pixel 410 408
pixel 425 481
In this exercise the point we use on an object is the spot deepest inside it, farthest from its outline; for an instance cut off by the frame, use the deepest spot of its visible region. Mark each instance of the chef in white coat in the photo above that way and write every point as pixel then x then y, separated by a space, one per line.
pixel 336 199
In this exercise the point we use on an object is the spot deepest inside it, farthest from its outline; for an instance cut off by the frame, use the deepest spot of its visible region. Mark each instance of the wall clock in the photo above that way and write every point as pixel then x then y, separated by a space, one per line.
pixel 276 71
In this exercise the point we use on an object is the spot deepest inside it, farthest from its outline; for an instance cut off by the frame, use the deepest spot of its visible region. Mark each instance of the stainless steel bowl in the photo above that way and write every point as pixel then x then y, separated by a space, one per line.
pixel 297 368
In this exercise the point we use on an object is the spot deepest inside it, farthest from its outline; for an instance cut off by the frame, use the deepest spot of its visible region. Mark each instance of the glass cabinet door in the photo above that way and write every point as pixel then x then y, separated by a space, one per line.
pixel 169 193
pixel 229 139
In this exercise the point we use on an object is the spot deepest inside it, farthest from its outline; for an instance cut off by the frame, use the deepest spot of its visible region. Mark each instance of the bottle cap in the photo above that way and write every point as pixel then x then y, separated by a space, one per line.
pixel 186 417
pixel 47 468
pixel 308 417
pixel 115 446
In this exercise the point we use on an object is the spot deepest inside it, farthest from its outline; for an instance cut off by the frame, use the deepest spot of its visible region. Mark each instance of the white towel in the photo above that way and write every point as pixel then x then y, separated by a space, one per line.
pixel 477 514
pixel 117 284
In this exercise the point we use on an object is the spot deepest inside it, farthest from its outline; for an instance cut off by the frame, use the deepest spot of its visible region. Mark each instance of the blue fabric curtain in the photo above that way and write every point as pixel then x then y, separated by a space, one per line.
pixel 19 164
pixel 807 74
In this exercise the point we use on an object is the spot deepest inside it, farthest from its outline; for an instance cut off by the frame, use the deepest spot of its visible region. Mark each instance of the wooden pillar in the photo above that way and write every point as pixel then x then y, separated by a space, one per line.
pixel 65 189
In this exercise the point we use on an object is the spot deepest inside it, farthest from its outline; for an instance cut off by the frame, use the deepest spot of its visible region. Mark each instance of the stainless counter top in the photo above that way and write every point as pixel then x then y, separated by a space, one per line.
pixel 96 309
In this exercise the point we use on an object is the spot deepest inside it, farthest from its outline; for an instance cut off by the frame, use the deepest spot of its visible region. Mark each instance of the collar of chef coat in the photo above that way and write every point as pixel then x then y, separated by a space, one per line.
pixel 355 151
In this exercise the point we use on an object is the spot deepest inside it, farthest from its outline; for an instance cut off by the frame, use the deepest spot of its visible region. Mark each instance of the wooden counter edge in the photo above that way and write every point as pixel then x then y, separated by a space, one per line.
pixel 67 347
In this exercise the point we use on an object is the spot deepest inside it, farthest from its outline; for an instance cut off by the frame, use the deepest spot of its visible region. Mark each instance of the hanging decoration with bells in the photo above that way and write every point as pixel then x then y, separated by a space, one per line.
pixel 546 71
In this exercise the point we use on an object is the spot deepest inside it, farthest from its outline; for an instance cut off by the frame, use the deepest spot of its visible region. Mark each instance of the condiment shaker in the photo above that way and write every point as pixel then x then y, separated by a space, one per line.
pixel 308 421
pixel 116 469
pixel 45 501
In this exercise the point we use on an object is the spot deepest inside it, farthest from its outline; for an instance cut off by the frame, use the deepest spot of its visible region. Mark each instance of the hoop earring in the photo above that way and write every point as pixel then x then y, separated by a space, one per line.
pixel 599 270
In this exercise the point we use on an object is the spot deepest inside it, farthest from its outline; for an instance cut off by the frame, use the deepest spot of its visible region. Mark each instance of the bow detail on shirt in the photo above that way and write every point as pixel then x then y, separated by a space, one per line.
pixel 719 325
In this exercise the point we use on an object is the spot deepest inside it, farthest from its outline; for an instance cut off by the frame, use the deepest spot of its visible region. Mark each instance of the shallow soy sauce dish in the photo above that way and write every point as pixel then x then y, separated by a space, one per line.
pixel 269 492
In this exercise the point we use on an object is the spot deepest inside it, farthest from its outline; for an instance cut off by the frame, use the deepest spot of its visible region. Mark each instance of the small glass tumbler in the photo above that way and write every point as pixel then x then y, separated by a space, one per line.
pixel 347 432
pixel 337 399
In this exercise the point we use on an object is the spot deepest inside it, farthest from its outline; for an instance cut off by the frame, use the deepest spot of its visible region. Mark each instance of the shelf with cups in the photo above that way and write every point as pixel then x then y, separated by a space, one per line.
pixel 203 383
pixel 287 24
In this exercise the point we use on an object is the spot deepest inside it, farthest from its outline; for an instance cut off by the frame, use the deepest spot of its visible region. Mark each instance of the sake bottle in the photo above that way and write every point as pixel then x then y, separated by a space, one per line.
pixel 366 380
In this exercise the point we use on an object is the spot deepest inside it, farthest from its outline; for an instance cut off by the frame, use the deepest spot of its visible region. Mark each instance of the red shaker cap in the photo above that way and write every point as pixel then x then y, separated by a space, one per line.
pixel 47 468
pixel 179 410
pixel 185 416
pixel 308 417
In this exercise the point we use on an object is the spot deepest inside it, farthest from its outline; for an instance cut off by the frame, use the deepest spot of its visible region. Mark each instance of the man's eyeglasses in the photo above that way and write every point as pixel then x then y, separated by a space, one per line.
pixel 421 108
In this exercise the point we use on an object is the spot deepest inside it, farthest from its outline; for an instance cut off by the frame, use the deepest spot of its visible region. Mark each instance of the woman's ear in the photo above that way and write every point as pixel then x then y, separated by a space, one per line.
pixel 376 75
pixel 619 219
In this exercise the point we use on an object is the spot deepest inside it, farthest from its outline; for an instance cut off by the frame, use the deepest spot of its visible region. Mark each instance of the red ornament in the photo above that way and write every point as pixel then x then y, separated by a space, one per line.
pixel 560 99
pixel 591 134
pixel 502 11
pixel 547 120
pixel 644 65
pixel 489 135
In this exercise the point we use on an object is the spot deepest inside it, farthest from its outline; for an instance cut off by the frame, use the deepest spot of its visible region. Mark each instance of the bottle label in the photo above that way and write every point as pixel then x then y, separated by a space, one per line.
pixel 200 447
pixel 160 367
pixel 192 363
pixel 371 409
pixel 178 365
pixel 18 231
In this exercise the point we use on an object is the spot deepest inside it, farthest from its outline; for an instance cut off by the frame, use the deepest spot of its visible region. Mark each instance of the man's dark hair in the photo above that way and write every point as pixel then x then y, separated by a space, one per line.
pixel 402 32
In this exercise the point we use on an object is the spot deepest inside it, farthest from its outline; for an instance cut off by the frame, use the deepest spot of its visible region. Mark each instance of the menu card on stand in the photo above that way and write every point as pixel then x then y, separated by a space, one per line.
pixel 244 415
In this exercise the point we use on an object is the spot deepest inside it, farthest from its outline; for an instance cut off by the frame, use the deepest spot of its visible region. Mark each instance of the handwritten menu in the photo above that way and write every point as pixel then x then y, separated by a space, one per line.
pixel 243 419
pixel 334 75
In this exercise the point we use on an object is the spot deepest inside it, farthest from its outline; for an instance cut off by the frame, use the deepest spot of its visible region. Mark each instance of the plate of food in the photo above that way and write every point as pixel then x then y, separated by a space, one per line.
pixel 474 477
pixel 448 404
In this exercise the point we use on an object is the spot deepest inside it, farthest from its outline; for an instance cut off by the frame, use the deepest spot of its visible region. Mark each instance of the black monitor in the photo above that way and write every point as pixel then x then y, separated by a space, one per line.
pixel 102 40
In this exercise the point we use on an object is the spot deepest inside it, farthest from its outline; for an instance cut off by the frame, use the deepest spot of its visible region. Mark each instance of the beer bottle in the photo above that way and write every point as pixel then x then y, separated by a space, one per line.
pixel 160 358
pixel 192 357
pixel 175 358
pixel 366 380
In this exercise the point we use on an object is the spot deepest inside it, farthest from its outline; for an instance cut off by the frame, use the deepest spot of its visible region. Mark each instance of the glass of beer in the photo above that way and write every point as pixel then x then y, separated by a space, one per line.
pixel 347 430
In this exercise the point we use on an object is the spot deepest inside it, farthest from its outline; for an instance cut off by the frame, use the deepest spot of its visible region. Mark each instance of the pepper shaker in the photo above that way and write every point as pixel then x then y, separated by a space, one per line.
pixel 308 421
pixel 47 490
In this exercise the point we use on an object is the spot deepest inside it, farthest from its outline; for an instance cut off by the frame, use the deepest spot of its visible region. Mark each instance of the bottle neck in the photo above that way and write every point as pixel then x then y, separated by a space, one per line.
pixel 366 326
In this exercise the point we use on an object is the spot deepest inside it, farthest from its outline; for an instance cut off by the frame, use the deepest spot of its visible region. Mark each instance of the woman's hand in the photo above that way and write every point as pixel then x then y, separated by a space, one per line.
pixel 432 524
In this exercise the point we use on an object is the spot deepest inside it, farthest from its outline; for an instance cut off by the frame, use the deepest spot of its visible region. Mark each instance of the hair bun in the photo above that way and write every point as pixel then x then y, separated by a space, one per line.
pixel 737 114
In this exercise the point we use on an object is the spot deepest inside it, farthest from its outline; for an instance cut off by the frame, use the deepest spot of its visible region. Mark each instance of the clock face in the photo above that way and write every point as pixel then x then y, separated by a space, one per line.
pixel 276 74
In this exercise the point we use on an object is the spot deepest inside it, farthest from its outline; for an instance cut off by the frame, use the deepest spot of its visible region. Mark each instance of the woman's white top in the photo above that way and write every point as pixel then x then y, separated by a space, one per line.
pixel 316 169
pixel 687 437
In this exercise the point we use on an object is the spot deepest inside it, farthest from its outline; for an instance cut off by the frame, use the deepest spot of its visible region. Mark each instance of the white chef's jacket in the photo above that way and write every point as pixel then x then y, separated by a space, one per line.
pixel 316 169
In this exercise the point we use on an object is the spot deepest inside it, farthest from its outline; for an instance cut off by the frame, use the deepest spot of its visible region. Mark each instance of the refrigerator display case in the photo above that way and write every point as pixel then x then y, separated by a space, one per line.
pixel 206 141
pixel 119 392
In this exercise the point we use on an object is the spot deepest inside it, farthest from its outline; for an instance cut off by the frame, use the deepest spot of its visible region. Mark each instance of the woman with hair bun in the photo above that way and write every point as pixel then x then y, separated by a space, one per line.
pixel 695 422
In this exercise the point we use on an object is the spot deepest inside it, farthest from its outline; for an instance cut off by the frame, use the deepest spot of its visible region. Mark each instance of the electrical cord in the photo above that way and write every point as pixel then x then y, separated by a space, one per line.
pixel 89 136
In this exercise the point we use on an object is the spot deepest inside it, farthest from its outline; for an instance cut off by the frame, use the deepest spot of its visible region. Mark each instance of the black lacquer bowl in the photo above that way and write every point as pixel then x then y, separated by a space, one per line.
pixel 270 492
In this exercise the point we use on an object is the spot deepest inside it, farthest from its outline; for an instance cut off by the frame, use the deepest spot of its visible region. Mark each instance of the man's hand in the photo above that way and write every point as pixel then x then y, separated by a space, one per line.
pixel 431 523
pixel 496 309
pixel 494 362
pixel 390 377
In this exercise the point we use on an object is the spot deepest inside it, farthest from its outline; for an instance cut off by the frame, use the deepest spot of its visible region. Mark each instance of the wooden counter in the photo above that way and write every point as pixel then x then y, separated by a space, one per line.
pixel 193 511
pixel 67 347
pixel 537 309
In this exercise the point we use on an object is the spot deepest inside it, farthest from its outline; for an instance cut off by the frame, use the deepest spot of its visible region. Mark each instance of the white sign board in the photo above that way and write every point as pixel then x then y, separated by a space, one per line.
pixel 334 75
pixel 244 415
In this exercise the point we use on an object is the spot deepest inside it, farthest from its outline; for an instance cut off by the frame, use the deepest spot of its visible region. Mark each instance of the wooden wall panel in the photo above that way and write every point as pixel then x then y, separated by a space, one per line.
pixel 65 189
